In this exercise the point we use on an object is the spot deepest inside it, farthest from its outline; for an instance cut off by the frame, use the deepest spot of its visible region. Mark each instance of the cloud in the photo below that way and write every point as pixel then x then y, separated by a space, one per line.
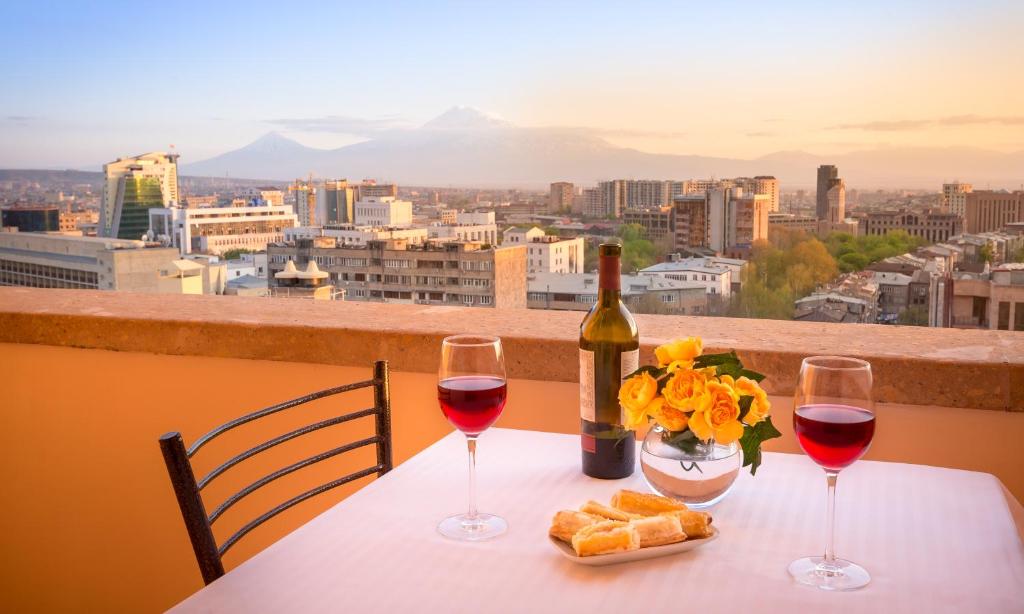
pixel 343 125
pixel 21 118
pixel 918 124
pixel 760 134
pixel 621 132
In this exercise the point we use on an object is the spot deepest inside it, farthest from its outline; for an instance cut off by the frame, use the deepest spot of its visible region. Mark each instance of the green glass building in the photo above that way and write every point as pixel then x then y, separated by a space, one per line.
pixel 140 194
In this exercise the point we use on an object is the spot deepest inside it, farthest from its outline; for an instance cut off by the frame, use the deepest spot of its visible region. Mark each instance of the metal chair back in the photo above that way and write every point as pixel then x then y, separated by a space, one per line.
pixel 188 490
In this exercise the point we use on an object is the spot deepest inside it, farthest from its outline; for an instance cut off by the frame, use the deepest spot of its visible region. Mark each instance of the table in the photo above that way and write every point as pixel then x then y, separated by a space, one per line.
pixel 934 540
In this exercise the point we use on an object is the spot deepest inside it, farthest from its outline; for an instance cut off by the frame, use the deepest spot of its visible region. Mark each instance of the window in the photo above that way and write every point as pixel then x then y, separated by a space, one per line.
pixel 1004 315
pixel 485 300
pixel 666 298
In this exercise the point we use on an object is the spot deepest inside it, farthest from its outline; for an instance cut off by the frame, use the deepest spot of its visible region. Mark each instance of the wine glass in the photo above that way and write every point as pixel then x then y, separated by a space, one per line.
pixel 471 390
pixel 834 420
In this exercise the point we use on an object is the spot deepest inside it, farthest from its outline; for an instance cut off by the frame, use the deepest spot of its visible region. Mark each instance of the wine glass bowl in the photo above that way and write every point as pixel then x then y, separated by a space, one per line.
pixel 834 422
pixel 471 391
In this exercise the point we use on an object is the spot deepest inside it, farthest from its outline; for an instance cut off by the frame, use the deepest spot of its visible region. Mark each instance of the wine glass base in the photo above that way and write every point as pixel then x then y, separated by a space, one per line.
pixel 478 528
pixel 841 575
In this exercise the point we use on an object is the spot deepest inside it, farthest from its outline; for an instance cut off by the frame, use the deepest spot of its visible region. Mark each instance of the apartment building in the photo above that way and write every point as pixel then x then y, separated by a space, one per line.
pixel 716 278
pixel 304 194
pixel 987 210
pixel 992 300
pixel 215 230
pixel 561 195
pixel 789 221
pixel 264 196
pixel 642 294
pixel 954 197
pixel 932 226
pixel 338 203
pixel 371 189
pixel 459 273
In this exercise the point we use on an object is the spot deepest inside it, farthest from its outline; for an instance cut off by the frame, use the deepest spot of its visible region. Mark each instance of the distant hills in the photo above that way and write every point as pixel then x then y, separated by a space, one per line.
pixel 464 147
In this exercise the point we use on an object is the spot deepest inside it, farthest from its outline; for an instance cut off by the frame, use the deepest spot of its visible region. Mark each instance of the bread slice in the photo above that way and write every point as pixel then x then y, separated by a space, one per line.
pixel 695 524
pixel 593 507
pixel 645 504
pixel 567 522
pixel 658 530
pixel 605 537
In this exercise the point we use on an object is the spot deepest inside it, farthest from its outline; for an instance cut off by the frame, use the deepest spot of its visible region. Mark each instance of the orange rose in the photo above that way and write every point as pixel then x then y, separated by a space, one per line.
pixel 667 416
pixel 717 414
pixel 760 406
pixel 684 389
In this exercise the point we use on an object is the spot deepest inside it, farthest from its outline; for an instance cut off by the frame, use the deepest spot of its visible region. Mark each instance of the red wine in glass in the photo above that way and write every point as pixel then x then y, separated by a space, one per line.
pixel 834 436
pixel 472 403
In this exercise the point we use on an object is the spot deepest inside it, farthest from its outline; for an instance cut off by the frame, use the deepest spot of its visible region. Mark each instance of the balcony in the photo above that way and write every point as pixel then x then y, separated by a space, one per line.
pixel 93 378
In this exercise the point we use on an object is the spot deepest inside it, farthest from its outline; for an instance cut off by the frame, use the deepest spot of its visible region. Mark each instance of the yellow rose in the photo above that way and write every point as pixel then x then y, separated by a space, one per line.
pixel 680 350
pixel 635 394
pixel 667 416
pixel 684 389
pixel 717 415
pixel 760 406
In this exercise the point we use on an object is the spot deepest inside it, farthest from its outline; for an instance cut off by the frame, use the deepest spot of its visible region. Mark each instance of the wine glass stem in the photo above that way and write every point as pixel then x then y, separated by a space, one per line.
pixel 471 444
pixel 830 548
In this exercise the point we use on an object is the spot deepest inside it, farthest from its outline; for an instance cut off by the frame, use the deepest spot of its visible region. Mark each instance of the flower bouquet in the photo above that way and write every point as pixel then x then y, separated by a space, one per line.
pixel 699 398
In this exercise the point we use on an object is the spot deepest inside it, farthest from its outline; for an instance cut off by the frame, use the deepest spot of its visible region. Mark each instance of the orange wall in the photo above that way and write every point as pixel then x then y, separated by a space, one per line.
pixel 91 522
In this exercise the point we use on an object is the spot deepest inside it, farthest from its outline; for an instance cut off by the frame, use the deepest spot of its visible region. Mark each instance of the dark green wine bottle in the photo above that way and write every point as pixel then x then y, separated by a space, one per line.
pixel 609 350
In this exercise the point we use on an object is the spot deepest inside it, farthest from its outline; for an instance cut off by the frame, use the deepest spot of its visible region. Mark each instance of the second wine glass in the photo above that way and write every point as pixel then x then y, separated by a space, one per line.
pixel 471 390
pixel 834 420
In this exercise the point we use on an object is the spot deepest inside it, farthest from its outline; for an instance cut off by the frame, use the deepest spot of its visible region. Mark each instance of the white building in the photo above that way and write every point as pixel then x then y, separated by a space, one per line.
pixel 383 211
pixel 643 294
pixel 252 265
pixel 482 233
pixel 715 277
pixel 547 253
pixel 218 229
pixel 348 234
pixel 515 236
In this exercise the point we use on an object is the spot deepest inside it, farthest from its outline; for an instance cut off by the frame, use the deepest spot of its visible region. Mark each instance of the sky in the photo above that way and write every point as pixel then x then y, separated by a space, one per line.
pixel 84 83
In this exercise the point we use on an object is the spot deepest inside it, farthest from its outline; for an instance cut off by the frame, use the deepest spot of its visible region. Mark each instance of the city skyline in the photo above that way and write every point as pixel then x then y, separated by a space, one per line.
pixel 788 77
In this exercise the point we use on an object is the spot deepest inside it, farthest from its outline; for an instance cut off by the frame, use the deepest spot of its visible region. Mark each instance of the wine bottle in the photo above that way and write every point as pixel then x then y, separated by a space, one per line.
pixel 609 350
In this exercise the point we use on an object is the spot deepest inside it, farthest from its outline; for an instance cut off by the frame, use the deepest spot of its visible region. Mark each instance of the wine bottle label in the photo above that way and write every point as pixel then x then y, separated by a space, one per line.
pixel 629 362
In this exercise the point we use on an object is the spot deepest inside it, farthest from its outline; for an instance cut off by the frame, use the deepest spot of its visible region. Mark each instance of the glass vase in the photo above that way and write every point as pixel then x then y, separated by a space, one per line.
pixel 680 466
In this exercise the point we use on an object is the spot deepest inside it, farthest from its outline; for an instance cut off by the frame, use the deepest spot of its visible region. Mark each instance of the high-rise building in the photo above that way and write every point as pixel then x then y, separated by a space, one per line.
pixel 339 202
pixel 954 197
pixel 646 194
pixel 592 205
pixel 612 196
pixel 987 210
pixel 657 223
pixel 761 185
pixel 267 195
pixel 689 221
pixel 748 220
pixel 133 186
pixel 561 196
pixel 305 201
pixel 828 176
pixel 835 200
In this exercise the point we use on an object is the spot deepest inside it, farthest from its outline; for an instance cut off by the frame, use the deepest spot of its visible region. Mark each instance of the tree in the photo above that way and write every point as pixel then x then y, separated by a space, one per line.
pixel 1019 255
pixel 985 254
pixel 914 316
pixel 235 254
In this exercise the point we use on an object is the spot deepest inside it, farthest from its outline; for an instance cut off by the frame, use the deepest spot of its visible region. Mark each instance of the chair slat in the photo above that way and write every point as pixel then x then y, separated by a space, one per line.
pixel 266 445
pixel 227 426
pixel 270 477
pixel 293 501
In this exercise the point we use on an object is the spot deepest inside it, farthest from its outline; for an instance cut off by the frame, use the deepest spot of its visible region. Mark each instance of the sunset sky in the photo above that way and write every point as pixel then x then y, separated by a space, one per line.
pixel 84 84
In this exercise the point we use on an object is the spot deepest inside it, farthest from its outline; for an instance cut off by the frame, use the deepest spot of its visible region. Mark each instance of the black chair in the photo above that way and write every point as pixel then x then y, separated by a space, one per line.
pixel 188 490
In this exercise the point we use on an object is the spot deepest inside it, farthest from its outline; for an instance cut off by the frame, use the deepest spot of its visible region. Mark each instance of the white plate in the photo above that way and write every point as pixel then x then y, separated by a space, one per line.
pixel 631 555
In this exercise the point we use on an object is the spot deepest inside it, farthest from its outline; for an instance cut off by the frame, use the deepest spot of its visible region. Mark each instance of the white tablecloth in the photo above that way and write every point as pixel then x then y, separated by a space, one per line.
pixel 934 540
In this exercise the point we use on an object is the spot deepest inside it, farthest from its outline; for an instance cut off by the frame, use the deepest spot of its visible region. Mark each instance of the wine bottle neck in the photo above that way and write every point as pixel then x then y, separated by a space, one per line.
pixel 609 280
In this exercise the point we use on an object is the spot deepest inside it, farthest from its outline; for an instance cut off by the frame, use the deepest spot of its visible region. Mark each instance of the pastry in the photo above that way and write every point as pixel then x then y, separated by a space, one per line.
pixel 605 537
pixel 694 524
pixel 658 530
pixel 593 507
pixel 644 504
pixel 567 522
